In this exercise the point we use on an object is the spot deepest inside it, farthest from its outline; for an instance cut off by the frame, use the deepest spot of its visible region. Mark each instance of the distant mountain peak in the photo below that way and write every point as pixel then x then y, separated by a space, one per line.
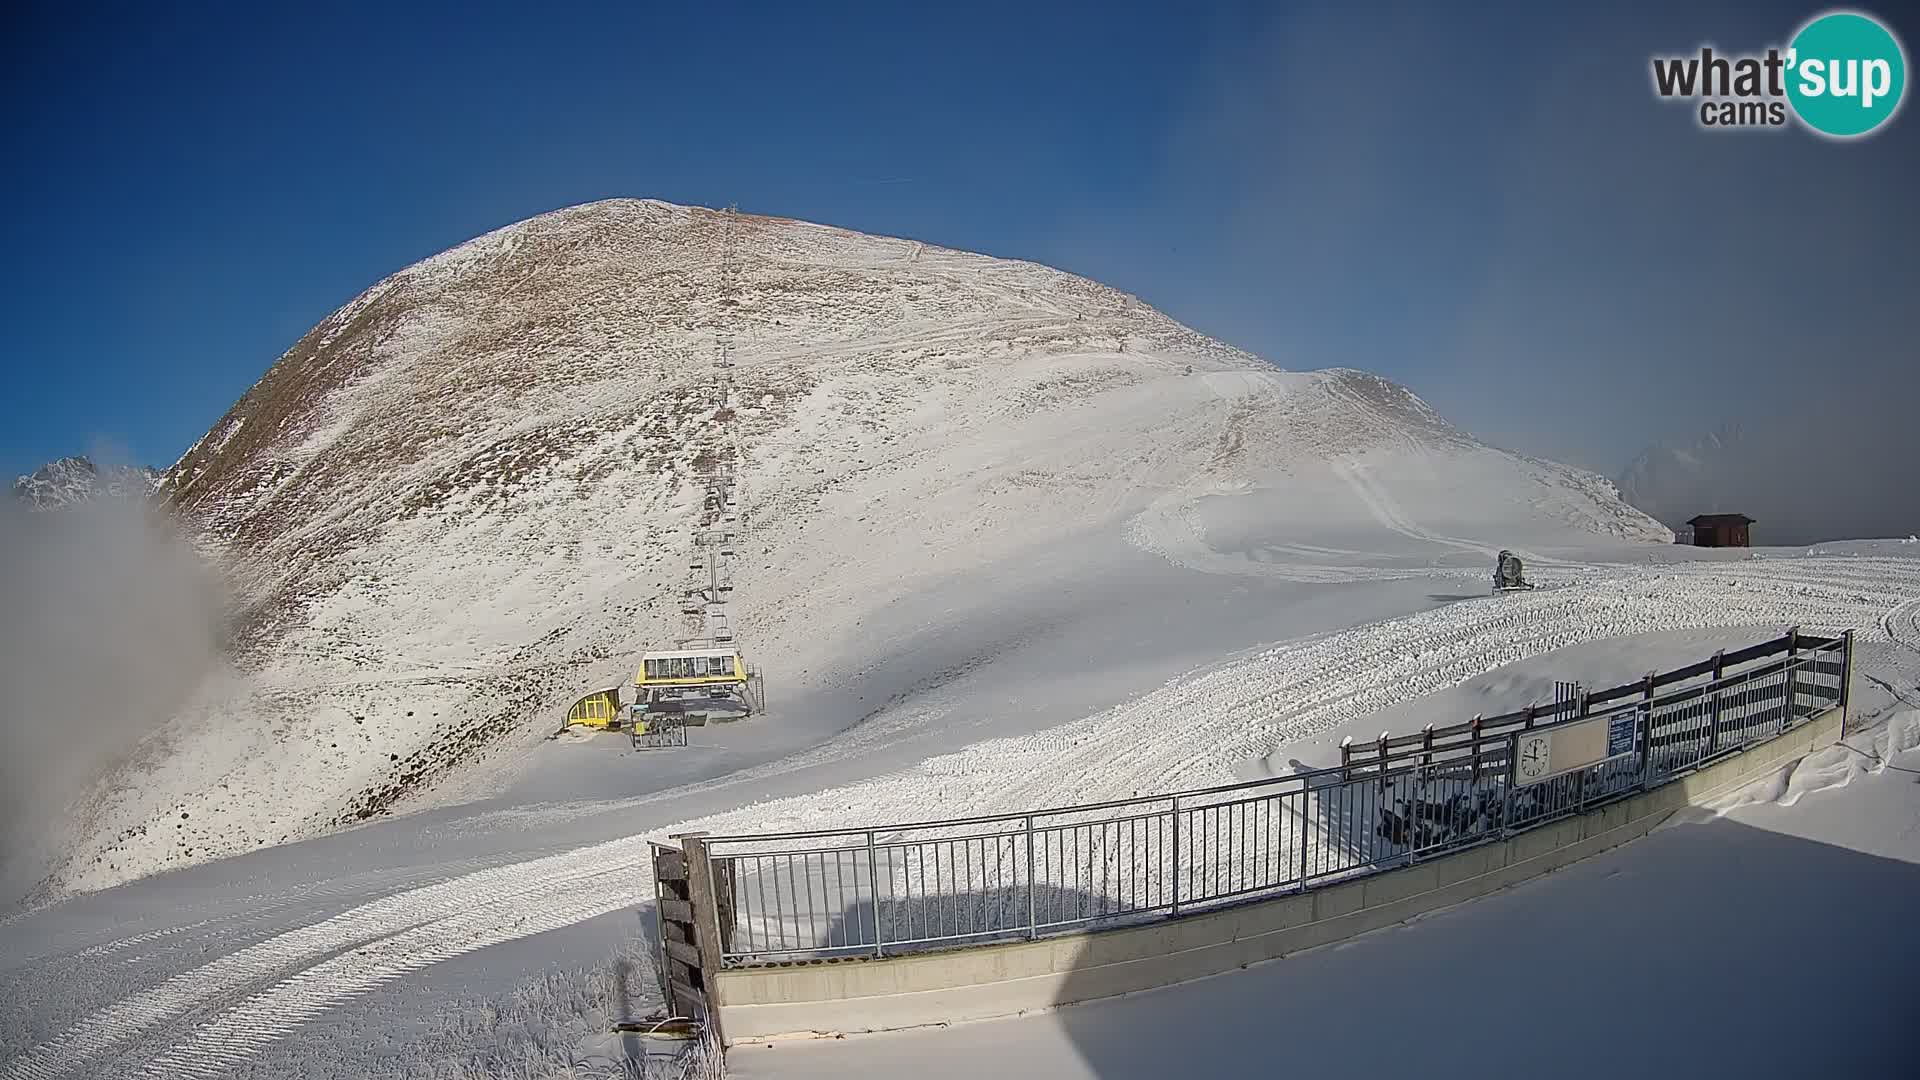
pixel 72 480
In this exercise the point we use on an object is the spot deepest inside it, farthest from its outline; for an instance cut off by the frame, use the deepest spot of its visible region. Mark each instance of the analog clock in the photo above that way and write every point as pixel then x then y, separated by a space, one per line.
pixel 1536 754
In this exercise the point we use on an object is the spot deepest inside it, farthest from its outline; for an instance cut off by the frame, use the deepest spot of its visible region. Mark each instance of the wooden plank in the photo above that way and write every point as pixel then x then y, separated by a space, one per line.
pixel 1758 671
pixel 684 995
pixel 706 922
pixel 676 910
pixel 1615 693
pixel 1681 697
pixel 1504 720
pixel 1691 671
pixel 1755 652
pixel 670 866
pixel 683 952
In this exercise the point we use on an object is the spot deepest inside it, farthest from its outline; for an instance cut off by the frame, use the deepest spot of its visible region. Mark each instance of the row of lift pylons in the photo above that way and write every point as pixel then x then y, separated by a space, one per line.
pixel 704 675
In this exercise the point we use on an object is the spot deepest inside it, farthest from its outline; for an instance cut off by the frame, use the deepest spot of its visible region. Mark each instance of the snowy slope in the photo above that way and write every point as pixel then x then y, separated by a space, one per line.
pixel 271 963
pixel 465 498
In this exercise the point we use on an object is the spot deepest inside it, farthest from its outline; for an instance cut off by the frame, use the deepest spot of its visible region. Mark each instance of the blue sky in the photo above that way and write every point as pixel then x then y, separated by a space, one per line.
pixel 1488 206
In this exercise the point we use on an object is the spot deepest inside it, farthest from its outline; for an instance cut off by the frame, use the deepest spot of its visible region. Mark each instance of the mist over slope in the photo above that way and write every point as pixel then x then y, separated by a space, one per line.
pixel 466 497
pixel 110 621
pixel 1830 474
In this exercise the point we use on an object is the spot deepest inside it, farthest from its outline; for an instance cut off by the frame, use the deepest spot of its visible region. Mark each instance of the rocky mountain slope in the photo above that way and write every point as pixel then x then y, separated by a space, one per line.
pixel 466 497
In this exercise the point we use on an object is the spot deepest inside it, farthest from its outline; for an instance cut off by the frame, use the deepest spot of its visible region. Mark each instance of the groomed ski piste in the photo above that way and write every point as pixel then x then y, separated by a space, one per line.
pixel 1023 543
pixel 193 974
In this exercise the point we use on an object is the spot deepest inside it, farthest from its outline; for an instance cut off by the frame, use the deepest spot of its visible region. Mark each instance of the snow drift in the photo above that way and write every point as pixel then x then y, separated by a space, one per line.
pixel 465 497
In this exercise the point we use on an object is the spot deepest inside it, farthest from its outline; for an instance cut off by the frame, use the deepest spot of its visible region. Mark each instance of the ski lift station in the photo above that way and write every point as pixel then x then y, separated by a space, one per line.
pixel 713 680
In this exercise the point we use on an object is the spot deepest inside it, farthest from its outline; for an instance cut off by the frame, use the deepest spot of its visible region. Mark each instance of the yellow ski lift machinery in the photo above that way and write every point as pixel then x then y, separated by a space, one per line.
pixel 719 666
pixel 701 681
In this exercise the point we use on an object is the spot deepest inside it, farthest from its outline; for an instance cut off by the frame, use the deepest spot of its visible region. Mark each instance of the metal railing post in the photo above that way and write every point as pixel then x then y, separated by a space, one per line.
pixel 1305 794
pixel 1646 740
pixel 1033 921
pixel 1380 793
pixel 1174 862
pixel 1415 813
pixel 1581 778
pixel 1713 702
pixel 1476 752
pixel 873 890
pixel 1422 776
pixel 1846 677
pixel 1793 649
pixel 1513 781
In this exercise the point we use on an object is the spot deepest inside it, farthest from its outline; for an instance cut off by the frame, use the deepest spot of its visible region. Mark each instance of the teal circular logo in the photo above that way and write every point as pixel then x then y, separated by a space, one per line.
pixel 1846 74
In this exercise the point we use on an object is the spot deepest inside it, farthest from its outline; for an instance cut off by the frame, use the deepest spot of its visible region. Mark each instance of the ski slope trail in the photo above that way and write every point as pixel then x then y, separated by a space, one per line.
pixel 210 1018
pixel 1901 625
pixel 1388 512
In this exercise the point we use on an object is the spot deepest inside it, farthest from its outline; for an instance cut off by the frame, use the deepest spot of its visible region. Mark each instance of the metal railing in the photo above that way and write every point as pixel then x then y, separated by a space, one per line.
pixel 882 890
pixel 656 731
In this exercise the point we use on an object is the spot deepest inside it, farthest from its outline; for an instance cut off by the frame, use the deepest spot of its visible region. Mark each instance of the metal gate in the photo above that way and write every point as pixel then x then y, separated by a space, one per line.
pixel 663 730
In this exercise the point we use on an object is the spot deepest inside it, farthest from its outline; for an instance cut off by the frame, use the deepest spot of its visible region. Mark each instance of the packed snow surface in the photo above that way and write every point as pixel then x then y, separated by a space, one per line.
pixel 233 976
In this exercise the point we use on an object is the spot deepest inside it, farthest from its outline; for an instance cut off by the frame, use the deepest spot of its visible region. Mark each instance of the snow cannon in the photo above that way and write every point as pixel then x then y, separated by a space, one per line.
pixel 1508 574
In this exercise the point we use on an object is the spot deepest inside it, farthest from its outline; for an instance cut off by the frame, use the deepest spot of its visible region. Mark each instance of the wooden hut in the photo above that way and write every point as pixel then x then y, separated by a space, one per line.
pixel 1721 530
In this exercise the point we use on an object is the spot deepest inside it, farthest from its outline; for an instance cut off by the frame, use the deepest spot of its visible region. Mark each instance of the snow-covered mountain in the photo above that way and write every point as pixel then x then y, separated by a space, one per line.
pixel 1673 483
pixel 73 480
pixel 466 497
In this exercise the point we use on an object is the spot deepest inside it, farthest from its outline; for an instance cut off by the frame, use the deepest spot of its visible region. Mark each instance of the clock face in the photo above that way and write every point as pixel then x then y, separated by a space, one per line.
pixel 1535 753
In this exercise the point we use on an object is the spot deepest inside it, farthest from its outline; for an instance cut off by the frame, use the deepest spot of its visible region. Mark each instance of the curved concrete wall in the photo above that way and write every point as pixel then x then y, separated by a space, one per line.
pixel 860 995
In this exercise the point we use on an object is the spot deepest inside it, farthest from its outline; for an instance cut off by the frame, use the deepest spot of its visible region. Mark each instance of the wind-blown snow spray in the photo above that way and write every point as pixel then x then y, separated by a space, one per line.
pixel 108 619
